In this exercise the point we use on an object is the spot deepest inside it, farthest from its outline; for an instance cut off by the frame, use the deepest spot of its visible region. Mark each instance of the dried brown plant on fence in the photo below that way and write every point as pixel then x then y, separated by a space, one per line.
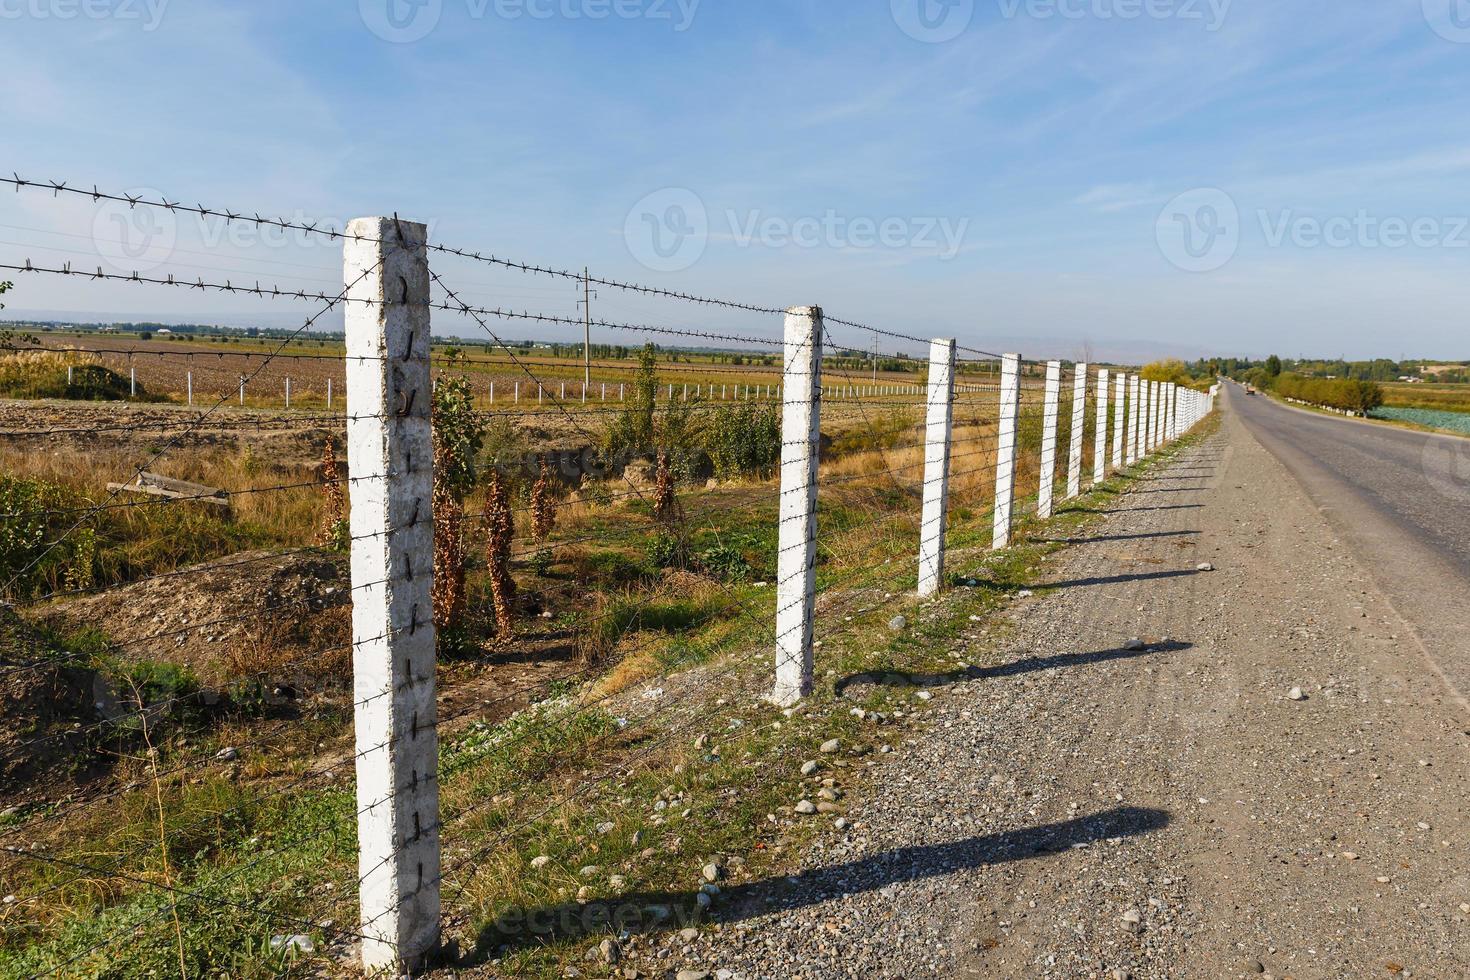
pixel 543 506
pixel 449 560
pixel 330 532
pixel 500 528
pixel 665 503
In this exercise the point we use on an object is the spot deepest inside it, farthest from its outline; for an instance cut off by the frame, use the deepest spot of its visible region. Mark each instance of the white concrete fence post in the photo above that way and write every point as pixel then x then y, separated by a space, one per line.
pixel 390 447
pixel 132 381
pixel 188 384
pixel 1049 416
pixel 1173 411
pixel 329 393
pixel 1120 420
pixel 1100 436
pixel 1005 448
pixel 288 392
pixel 1079 423
pixel 1149 404
pixel 938 439
pixel 796 562
pixel 1134 394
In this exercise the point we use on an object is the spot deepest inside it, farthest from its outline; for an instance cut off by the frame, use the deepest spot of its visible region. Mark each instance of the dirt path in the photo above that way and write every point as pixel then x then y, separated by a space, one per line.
pixel 1089 810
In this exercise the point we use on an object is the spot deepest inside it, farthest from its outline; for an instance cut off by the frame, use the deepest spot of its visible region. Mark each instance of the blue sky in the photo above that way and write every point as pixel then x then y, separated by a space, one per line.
pixel 1028 170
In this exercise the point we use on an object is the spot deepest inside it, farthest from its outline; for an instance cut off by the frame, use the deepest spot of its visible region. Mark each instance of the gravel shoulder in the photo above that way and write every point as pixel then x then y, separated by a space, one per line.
pixel 1076 808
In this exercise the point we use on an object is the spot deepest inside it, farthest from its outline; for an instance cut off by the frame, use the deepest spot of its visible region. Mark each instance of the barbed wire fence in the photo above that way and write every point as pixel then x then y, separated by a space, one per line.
pixel 808 429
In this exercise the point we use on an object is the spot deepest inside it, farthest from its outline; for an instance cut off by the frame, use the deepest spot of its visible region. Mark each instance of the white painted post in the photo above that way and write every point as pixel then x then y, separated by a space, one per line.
pixel 288 392
pixel 1079 422
pixel 189 385
pixel 242 390
pixel 1135 413
pixel 604 391
pixel 132 381
pixel 68 375
pixel 329 392
pixel 1146 445
pixel 562 392
pixel 1156 406
pixel 1049 416
pixel 388 433
pixel 1100 436
pixel 796 575
pixel 1120 420
pixel 1005 447
pixel 1173 412
pixel 937 440
pixel 1151 420
pixel 620 392
pixel 517 393
pixel 492 394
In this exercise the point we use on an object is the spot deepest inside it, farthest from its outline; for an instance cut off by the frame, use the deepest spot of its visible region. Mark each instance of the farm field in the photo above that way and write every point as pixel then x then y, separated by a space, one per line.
pixel 1427 397
pixel 162 368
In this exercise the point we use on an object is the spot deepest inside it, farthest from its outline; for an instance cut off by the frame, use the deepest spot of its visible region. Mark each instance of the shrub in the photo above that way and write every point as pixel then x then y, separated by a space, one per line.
pixel 1346 394
pixel 744 440
pixel 43 374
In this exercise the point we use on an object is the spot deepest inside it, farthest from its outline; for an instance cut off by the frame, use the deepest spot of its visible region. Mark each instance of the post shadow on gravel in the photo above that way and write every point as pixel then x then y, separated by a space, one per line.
pixel 651 912
pixel 1026 665
pixel 1115 537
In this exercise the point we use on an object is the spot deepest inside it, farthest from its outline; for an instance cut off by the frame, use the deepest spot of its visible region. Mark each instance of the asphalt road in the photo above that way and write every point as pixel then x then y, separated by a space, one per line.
pixel 1401 501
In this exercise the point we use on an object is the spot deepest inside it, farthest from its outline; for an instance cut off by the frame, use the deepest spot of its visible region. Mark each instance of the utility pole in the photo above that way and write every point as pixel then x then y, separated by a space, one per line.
pixel 586 305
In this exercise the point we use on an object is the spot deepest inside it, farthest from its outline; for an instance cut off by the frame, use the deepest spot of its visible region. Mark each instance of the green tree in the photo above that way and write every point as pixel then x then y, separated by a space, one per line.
pixel 1273 365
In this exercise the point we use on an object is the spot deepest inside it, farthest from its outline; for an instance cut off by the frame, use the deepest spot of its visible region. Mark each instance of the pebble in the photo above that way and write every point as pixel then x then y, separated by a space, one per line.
pixel 692 975
pixel 227 754
pixel 610 951
pixel 830 746
pixel 590 870
pixel 1134 644
pixel 806 807
pixel 1296 694
pixel 898 622
pixel 1205 566
pixel 712 872
pixel 605 828
pixel 810 766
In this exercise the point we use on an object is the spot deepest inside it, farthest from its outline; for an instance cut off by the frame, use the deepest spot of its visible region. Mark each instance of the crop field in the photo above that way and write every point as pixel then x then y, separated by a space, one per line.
pixel 1427 397
pixel 163 367
pixel 217 637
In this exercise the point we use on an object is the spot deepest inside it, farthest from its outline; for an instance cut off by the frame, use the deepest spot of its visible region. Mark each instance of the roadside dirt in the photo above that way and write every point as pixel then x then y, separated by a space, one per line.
pixel 1078 807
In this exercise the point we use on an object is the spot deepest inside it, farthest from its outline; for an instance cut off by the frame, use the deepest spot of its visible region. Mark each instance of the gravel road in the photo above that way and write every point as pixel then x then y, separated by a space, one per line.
pixel 1397 495
pixel 1275 785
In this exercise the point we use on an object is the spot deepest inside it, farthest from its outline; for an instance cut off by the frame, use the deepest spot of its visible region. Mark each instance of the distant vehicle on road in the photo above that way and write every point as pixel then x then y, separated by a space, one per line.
pixel 1250 389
